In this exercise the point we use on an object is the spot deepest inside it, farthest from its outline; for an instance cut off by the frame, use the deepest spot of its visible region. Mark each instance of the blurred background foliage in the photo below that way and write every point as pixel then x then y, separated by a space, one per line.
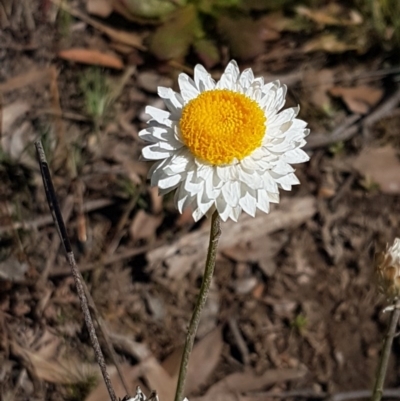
pixel 244 26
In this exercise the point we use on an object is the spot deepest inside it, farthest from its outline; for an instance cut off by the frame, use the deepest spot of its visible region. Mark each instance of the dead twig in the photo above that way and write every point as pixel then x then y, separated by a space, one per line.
pixel 241 344
pixel 47 219
pixel 312 394
pixel 126 254
pixel 344 132
pixel 59 222
pixel 384 110
pixel 118 232
pixel 386 349
pixel 353 395
pixel 124 37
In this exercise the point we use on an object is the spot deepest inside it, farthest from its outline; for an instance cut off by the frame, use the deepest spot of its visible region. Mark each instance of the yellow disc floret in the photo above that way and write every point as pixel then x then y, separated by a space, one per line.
pixel 219 126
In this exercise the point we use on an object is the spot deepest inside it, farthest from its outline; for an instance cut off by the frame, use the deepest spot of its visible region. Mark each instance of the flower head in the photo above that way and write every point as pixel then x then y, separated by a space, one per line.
pixel 224 145
pixel 388 270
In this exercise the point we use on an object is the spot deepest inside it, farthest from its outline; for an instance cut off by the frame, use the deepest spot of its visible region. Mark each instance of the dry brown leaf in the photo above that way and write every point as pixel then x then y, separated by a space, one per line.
pixel 332 14
pixel 382 166
pixel 158 379
pixel 31 77
pixel 276 21
pixel 203 361
pixel 150 81
pixel 250 381
pixel 329 43
pixel 131 375
pixel 128 38
pixel 91 57
pixel 11 113
pixel 100 8
pixel 13 270
pixel 185 219
pixel 320 81
pixel 189 251
pixel 144 225
pixel 53 370
pixel 243 34
pixel 359 99
pixel 14 144
pixel 156 200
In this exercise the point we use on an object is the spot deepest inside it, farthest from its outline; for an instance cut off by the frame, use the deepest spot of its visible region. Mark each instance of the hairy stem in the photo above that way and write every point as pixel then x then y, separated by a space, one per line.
pixel 384 358
pixel 215 233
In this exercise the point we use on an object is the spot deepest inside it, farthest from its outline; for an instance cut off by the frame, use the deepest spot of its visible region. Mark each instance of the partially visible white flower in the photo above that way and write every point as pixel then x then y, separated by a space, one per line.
pixel 388 271
pixel 140 396
pixel 224 145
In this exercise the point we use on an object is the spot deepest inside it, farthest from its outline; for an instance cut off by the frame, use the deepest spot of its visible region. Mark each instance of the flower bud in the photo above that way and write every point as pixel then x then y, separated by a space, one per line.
pixel 388 271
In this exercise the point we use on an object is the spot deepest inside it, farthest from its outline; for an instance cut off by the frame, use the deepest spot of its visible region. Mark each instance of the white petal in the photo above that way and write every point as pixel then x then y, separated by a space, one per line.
pixel 170 146
pixel 177 165
pixel 192 186
pixel 250 163
pixel 197 214
pixel 153 152
pixel 254 91
pixel 274 85
pixel 225 214
pixel 248 203
pixel 282 168
pixel 204 171
pixel 203 204
pixel 269 183
pixel 187 87
pixel 252 179
pixel 262 201
pixel 157 133
pixel 295 156
pixel 235 213
pixel 280 98
pixel 230 76
pixel 227 173
pixel 203 79
pixel 231 193
pixel 284 116
pixel 274 101
pixel 246 78
pixel 157 167
pixel 182 198
pixel 273 198
pixel 223 208
pixel 166 182
pixel 172 100
pixel 287 181
pixel 281 146
pixel 158 115
pixel 211 191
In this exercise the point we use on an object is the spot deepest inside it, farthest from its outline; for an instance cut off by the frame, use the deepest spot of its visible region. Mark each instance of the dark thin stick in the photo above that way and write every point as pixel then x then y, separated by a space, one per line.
pixel 62 231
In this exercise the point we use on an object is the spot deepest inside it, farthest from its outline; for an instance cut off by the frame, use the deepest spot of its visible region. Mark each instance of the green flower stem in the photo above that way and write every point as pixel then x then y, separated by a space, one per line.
pixel 384 358
pixel 215 233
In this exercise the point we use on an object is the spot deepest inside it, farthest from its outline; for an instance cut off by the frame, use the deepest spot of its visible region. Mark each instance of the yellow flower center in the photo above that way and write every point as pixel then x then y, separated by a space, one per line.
pixel 220 125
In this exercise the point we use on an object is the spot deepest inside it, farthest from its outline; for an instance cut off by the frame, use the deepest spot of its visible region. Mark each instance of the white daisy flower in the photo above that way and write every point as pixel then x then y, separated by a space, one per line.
pixel 224 145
